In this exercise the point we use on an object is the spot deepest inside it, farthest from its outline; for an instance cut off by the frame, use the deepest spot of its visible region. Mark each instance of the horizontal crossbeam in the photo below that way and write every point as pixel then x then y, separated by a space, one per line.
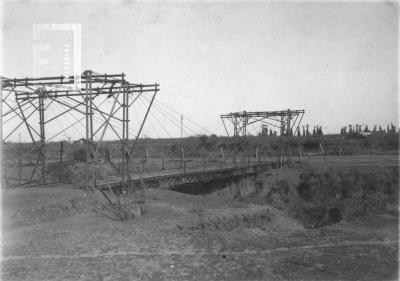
pixel 265 114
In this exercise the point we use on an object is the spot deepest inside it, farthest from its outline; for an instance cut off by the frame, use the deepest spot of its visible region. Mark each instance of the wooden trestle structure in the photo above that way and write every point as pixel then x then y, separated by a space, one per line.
pixel 107 97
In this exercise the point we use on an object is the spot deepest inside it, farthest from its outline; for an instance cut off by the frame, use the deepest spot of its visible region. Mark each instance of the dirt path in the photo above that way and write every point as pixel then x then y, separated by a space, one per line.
pixel 198 253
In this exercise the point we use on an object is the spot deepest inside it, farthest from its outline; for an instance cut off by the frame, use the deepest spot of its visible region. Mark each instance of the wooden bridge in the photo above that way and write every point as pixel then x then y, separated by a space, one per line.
pixel 169 179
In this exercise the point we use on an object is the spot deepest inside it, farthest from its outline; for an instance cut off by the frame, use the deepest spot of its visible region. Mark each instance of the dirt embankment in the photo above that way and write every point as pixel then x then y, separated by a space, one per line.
pixel 319 196
pixel 314 196
pixel 46 213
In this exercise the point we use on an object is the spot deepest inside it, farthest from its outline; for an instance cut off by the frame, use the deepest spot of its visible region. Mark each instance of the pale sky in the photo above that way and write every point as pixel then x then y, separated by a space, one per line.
pixel 338 60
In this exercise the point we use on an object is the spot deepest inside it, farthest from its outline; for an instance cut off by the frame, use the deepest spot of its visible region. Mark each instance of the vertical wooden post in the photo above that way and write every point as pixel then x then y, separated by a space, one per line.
pixel 181 126
pixel 20 161
pixel 91 154
pixel 42 134
pixel 87 132
pixel 222 158
pixel 124 140
pixel 60 164
pixel 320 147
pixel 257 154
pixel 20 170
pixel 162 159
pixel 299 152
pixel 182 157
pixel 279 156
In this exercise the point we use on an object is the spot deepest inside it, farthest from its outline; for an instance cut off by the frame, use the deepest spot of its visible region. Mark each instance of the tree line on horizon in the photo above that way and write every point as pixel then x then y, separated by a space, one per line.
pixel 306 131
pixel 359 129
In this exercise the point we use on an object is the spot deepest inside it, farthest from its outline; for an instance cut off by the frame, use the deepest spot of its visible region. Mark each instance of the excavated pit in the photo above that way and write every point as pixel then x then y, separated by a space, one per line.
pixel 315 196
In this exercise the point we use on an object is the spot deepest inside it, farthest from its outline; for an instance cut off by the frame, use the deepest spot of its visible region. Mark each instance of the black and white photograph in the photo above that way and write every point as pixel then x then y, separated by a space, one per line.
pixel 199 140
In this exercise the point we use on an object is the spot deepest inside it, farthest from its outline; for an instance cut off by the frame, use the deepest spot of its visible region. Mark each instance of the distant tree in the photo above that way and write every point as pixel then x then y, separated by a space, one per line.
pixel 393 128
pixel 283 130
pixel 264 130
pixel 375 128
pixel 366 129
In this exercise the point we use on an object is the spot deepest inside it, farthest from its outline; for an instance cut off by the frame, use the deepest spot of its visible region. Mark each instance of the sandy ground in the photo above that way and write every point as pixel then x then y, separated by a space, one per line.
pixel 50 234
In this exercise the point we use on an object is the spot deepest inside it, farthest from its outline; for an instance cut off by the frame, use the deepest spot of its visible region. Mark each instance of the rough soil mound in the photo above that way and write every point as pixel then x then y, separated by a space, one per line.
pixel 75 171
pixel 319 196
pixel 265 218
pixel 47 213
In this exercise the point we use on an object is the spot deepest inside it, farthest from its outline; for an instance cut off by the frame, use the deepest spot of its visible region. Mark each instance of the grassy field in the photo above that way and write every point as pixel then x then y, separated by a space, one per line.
pixel 255 229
